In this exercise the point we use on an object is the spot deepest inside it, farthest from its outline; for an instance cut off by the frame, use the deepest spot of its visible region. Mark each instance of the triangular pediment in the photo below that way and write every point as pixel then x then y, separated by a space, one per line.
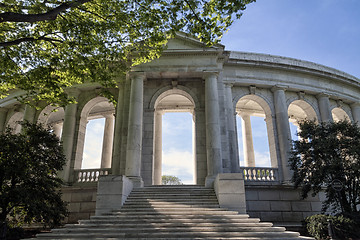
pixel 183 41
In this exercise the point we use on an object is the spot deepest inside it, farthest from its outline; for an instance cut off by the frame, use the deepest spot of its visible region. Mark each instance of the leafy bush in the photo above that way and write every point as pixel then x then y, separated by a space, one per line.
pixel 341 227
pixel 29 162
pixel 170 180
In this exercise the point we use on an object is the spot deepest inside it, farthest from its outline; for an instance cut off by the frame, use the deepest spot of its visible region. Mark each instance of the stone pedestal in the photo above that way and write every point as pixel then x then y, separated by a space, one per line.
pixel 230 191
pixel 112 193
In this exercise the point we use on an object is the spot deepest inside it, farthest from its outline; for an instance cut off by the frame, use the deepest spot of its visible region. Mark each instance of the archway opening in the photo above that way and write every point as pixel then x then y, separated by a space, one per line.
pixel 93 144
pixel 96 129
pixel 177 146
pixel 253 132
pixel 174 137
pixel 338 114
pixel 298 111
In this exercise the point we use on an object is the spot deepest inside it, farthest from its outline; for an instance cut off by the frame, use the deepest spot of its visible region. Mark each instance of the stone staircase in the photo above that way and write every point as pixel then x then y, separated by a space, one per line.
pixel 171 212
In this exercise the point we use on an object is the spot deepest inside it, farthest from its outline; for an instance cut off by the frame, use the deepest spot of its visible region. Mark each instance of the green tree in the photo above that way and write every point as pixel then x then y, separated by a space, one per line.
pixel 170 180
pixel 47 46
pixel 327 157
pixel 29 162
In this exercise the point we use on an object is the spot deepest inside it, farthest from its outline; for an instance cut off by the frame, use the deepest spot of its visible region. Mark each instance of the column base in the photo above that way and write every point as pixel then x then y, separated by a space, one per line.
pixel 136 181
pixel 112 193
pixel 209 181
pixel 230 191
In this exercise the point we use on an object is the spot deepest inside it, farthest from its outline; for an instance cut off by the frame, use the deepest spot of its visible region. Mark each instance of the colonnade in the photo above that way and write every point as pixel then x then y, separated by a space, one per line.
pixel 214 148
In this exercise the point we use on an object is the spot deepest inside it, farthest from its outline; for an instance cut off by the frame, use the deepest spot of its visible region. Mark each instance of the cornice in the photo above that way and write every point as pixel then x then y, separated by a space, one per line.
pixel 289 64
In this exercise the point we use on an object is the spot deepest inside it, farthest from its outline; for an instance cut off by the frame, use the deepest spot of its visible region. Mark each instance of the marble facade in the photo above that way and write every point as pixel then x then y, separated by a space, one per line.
pixel 214 85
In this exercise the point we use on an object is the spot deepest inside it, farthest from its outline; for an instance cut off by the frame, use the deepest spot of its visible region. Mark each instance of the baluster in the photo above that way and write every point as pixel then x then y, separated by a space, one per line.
pixel 254 174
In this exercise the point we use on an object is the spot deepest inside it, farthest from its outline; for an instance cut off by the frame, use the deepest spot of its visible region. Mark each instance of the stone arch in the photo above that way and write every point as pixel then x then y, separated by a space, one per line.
pixel 339 114
pixel 168 99
pixel 13 121
pixel 168 90
pixel 52 117
pixel 257 105
pixel 301 110
pixel 96 107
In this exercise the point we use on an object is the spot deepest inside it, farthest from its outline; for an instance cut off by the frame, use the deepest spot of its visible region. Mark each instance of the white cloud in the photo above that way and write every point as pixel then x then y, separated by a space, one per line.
pixel 180 164
pixel 262 159
pixel 93 144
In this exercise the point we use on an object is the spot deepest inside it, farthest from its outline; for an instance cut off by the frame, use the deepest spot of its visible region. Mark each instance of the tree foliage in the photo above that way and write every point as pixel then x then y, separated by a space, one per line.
pixel 29 162
pixel 47 46
pixel 170 180
pixel 327 156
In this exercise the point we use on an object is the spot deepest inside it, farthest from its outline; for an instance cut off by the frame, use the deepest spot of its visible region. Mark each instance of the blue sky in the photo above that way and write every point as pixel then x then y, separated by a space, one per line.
pixel 322 31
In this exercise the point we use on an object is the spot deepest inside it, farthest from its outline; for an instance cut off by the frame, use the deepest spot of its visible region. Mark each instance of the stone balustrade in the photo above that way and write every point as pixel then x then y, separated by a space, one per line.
pixel 90 175
pixel 260 174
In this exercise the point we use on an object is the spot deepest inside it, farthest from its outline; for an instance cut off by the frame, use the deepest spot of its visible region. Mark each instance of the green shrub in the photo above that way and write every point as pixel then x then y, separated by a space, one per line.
pixel 342 227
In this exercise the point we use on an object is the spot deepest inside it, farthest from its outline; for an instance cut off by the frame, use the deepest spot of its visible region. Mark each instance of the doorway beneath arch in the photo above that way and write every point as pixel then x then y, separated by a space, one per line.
pixel 174 134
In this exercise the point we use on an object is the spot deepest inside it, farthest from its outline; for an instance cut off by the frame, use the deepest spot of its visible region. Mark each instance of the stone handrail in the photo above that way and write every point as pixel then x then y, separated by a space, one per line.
pixel 89 175
pixel 260 174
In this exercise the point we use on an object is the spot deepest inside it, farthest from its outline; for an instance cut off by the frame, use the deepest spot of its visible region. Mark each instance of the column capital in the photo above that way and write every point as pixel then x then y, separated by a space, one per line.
pixel 355 104
pixel 141 75
pixel 3 110
pixel 73 92
pixel 229 84
pixel 207 74
pixel 244 113
pixel 279 87
pixel 108 115
pixel 323 94
pixel 159 111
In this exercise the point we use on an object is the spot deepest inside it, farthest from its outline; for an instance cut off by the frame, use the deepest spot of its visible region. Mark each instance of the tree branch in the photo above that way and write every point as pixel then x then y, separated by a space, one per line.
pixel 28 39
pixel 31 18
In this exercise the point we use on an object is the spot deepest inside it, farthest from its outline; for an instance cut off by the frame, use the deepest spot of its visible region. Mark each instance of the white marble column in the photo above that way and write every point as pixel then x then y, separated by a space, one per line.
pixel 134 138
pixel 213 135
pixel 248 145
pixel 107 141
pixel 324 107
pixel 116 154
pixel 355 108
pixel 29 114
pixel 3 115
pixel 158 148
pixel 283 131
pixel 232 136
pixel 57 129
pixel 67 138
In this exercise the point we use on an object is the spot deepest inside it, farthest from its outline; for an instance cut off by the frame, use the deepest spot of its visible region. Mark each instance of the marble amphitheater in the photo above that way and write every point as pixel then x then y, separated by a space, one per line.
pixel 124 199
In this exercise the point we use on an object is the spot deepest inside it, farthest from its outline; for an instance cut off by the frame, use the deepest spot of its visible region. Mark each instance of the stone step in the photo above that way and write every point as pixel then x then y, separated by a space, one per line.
pixel 171 212
pixel 169 209
pixel 168 205
pixel 159 216
pixel 174 235
pixel 170 201
pixel 167 229
pixel 110 224
pixel 88 237
pixel 170 197
pixel 181 220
